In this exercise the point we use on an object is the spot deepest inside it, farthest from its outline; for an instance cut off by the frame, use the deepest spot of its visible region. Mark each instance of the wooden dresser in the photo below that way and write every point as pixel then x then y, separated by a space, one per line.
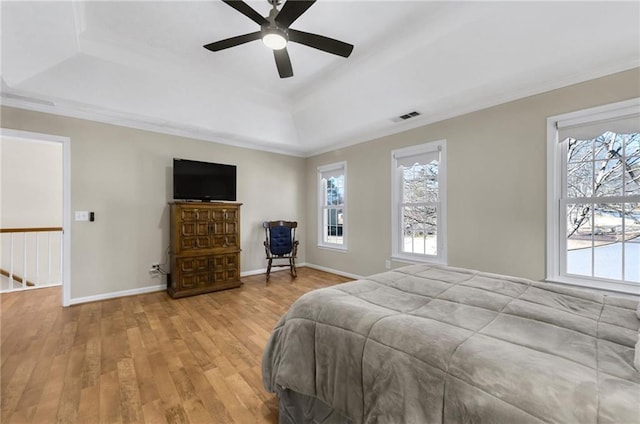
pixel 205 248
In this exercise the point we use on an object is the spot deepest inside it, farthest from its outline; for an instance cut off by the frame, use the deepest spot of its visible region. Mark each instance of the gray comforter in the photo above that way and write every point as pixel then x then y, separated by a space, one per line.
pixel 428 344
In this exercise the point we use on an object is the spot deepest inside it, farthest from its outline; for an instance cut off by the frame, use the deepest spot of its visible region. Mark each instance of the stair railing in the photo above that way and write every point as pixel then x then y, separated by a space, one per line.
pixel 31 244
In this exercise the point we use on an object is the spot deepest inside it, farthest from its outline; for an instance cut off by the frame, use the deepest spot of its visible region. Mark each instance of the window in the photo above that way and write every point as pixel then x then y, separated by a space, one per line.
pixel 332 201
pixel 593 235
pixel 418 195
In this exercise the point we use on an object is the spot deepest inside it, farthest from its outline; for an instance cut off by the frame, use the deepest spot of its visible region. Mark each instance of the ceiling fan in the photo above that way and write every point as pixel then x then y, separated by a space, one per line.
pixel 275 33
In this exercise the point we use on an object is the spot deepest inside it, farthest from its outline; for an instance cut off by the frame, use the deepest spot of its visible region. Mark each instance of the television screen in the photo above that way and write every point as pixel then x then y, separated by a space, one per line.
pixel 194 180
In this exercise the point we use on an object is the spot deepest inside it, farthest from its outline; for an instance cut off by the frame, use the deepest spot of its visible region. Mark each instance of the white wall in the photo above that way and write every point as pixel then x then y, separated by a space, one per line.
pixel 496 183
pixel 125 177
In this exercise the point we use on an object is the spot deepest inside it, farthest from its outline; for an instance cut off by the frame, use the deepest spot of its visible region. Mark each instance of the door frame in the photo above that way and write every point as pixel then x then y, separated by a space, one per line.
pixel 66 199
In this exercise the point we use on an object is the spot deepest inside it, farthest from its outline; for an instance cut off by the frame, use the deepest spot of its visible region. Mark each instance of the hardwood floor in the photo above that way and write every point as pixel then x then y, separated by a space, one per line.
pixel 145 358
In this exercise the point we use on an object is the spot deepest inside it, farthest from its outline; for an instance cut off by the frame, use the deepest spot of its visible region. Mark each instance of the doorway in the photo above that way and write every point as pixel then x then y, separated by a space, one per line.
pixel 35 211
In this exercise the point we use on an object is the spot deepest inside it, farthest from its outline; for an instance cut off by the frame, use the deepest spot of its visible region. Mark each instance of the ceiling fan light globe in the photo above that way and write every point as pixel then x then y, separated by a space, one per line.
pixel 274 41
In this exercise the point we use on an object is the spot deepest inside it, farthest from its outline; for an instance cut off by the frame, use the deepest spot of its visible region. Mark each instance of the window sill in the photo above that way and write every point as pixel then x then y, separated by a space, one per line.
pixel 596 284
pixel 339 249
pixel 417 259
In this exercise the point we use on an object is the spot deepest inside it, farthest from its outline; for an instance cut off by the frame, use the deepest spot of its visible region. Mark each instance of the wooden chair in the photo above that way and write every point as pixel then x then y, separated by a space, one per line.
pixel 281 243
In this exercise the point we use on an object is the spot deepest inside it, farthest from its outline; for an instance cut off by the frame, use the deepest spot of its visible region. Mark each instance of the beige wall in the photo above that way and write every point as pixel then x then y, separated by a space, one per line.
pixel 124 176
pixel 496 188
pixel 31 179
pixel 496 163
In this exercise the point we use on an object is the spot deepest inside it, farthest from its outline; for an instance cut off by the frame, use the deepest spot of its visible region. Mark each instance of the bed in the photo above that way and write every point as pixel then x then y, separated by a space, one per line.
pixel 434 344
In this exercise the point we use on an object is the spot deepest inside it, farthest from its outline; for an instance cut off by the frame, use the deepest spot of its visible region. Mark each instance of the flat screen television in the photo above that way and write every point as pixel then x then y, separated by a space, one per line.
pixel 206 181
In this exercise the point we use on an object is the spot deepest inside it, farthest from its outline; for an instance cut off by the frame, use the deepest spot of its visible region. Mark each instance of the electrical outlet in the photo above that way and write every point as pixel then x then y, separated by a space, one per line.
pixel 155 268
pixel 387 264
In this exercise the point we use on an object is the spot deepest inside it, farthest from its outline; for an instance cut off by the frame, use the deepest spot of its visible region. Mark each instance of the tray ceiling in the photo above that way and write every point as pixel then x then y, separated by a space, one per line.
pixel 142 64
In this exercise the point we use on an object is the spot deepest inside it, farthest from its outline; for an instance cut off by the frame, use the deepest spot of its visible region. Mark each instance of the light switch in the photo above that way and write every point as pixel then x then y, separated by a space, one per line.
pixel 82 215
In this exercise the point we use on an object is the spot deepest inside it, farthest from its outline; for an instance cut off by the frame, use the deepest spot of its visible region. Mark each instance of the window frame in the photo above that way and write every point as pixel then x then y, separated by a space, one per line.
pixel 396 203
pixel 321 207
pixel 556 182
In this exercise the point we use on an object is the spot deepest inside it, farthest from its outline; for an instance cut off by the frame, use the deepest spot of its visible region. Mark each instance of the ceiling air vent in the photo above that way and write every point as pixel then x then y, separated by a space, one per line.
pixel 406 116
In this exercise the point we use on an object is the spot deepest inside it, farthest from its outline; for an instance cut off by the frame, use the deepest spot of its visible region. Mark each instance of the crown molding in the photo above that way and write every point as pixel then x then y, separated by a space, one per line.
pixel 33 102
pixel 473 106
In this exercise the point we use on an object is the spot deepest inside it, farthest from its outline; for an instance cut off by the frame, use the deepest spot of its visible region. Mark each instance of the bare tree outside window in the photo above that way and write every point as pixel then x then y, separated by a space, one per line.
pixel 334 213
pixel 603 209
pixel 419 208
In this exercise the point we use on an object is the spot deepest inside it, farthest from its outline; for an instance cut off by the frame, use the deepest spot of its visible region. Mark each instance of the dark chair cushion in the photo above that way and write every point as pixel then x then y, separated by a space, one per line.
pixel 281 242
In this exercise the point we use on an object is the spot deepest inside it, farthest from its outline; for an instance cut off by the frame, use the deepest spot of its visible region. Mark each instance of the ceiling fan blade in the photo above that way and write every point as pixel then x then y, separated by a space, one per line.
pixel 283 63
pixel 233 41
pixel 292 10
pixel 247 11
pixel 320 42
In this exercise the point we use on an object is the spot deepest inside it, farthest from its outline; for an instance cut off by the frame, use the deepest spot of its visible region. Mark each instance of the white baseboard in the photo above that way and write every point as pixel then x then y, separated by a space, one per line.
pixel 303 264
pixel 335 271
pixel 162 287
pixel 254 272
pixel 264 270
pixel 123 293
